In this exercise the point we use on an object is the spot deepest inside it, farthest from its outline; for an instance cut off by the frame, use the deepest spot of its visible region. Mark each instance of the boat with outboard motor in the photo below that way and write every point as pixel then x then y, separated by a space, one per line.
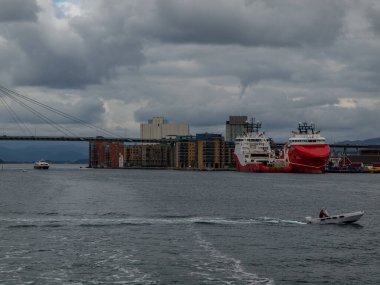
pixel 41 164
pixel 254 152
pixel 346 218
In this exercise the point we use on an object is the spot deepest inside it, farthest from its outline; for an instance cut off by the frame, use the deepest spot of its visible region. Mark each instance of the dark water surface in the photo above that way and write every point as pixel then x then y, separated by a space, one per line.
pixel 81 226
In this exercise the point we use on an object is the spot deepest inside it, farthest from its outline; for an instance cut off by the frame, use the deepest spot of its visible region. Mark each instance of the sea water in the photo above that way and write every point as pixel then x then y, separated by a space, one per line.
pixel 72 225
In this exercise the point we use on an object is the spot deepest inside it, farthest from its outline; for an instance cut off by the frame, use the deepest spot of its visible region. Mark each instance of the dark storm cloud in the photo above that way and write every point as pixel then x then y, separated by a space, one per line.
pixel 374 19
pixel 198 62
pixel 18 10
pixel 85 51
pixel 92 48
pixel 109 42
pixel 258 23
pixel 42 65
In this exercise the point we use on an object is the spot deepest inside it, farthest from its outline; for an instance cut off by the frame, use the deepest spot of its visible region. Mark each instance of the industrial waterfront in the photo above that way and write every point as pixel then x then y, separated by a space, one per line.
pixel 176 148
pixel 163 145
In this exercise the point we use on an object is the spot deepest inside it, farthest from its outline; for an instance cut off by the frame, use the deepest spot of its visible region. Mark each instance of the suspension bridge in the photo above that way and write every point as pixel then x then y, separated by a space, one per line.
pixel 81 139
pixel 9 99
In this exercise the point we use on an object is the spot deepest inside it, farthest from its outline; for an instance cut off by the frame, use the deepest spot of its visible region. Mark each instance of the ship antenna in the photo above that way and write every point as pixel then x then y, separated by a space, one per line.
pixel 256 125
pixel 248 126
pixel 312 126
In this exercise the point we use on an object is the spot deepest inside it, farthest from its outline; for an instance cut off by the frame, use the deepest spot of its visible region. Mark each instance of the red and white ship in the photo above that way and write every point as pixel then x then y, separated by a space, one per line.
pixel 307 151
pixel 253 152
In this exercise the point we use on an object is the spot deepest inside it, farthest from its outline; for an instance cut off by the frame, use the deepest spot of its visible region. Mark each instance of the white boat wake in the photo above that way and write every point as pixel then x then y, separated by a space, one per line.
pixel 213 265
pixel 65 220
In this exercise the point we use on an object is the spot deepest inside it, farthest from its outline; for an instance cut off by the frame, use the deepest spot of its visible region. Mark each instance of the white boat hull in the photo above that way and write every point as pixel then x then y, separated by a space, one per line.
pixel 345 218
pixel 41 164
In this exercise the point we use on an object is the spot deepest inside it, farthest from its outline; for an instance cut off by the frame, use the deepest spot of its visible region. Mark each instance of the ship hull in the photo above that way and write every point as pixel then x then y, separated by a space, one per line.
pixel 309 158
pixel 260 167
pixel 41 167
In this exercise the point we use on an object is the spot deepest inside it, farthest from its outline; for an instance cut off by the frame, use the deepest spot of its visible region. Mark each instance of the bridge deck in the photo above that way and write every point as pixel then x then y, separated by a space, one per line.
pixel 138 140
pixel 89 139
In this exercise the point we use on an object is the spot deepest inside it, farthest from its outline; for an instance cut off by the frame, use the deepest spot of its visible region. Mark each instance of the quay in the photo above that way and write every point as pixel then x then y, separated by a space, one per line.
pixel 201 152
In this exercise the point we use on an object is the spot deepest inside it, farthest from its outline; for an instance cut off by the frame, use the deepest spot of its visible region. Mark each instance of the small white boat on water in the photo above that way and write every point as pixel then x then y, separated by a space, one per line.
pixel 346 218
pixel 41 164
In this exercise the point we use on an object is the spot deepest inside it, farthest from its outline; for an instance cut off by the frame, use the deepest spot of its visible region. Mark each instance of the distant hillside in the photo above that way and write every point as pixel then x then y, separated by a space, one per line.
pixel 367 141
pixel 56 153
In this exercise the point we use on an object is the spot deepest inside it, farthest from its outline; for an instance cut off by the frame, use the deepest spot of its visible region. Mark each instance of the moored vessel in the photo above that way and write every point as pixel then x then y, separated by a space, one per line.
pixel 254 153
pixel 41 164
pixel 307 151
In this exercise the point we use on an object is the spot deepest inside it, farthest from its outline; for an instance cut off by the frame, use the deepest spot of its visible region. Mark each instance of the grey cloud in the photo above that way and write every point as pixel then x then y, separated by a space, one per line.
pixel 361 66
pixel 261 23
pixel 374 19
pixel 256 74
pixel 88 51
pixel 202 116
pixel 40 63
pixel 18 10
pixel 96 47
pixel 89 109
pixel 109 42
pixel 190 60
pixel 337 123
pixel 278 110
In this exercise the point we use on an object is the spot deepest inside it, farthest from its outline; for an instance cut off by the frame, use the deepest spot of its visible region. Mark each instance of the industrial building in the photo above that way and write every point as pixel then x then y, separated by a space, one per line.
pixel 210 151
pixel 229 154
pixel 159 128
pixel 104 154
pixel 149 155
pixel 203 152
pixel 364 156
pixel 185 152
pixel 236 126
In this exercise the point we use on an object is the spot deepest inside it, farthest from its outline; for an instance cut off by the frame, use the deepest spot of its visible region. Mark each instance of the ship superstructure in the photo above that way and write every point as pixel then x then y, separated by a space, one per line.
pixel 253 152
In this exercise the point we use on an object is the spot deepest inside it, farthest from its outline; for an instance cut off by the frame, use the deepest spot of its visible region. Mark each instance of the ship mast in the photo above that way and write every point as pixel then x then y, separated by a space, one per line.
pixel 304 127
pixel 254 126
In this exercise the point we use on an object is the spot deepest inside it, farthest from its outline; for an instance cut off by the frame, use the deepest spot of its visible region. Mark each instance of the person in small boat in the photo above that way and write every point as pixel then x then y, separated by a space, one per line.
pixel 323 214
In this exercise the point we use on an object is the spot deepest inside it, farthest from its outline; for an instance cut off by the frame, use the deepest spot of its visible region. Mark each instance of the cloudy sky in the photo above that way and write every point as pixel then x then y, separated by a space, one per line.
pixel 117 63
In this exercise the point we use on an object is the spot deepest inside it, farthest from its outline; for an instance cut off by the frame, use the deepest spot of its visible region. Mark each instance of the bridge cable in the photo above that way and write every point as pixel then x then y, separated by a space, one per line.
pixel 44 118
pixel 50 122
pixel 56 111
pixel 15 117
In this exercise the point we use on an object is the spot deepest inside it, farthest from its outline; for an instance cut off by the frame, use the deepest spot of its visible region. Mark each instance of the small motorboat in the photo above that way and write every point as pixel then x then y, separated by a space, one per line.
pixel 41 164
pixel 346 218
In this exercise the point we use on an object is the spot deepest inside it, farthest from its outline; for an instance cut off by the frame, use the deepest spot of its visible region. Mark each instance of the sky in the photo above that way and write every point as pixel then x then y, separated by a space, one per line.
pixel 118 63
